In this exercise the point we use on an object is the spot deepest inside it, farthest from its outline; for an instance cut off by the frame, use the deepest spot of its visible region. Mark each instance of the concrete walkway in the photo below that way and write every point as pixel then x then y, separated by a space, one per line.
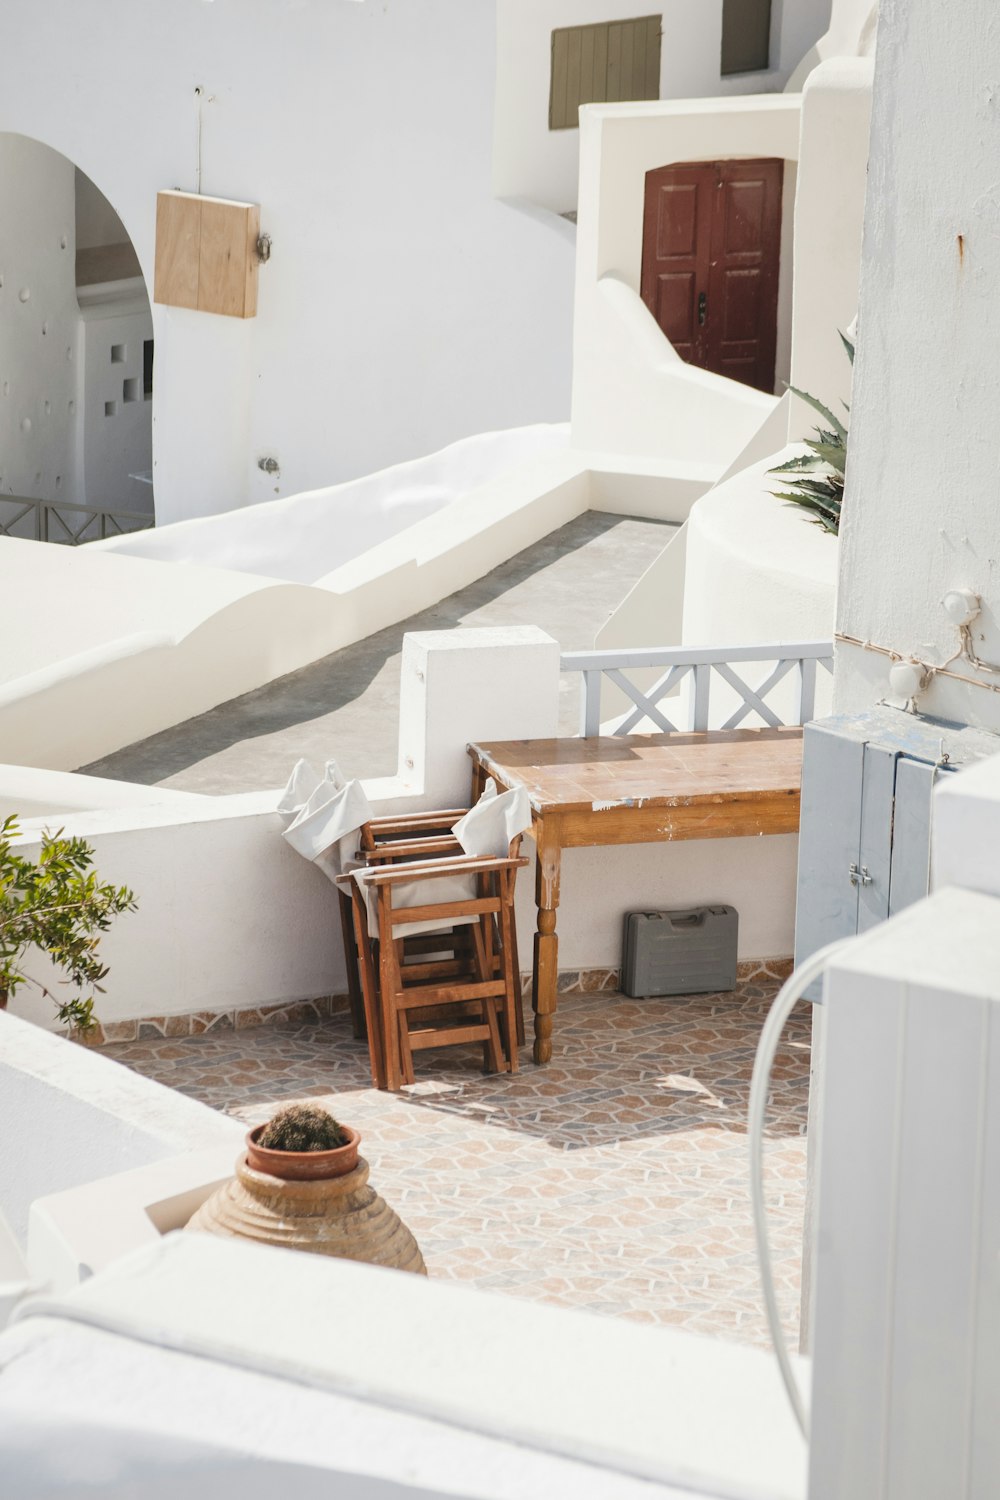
pixel 346 705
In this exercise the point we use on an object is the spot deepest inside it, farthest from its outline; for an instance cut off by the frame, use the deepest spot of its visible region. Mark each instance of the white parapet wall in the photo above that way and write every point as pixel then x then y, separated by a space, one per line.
pixel 302 537
pixel 231 921
pixel 68 1116
pixel 75 687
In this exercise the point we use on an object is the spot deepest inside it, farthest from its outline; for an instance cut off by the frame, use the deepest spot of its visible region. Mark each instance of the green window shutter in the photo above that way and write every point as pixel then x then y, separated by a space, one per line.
pixel 606 63
pixel 746 36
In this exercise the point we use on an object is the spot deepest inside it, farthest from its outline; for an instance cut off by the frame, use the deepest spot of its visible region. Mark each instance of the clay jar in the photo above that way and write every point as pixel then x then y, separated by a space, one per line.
pixel 318 1201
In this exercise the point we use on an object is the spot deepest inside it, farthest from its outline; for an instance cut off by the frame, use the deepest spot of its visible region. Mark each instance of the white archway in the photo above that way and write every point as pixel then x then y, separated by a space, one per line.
pixel 75 347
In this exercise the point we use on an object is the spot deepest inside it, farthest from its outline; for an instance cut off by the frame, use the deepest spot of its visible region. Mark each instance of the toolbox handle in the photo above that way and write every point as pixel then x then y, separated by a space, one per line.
pixel 694 918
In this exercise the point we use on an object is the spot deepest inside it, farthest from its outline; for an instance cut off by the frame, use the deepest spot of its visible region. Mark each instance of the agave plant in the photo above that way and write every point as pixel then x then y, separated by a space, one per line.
pixel 820 490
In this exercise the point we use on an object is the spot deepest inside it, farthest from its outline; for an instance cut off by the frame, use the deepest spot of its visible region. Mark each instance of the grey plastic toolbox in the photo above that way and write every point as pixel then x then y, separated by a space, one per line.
pixel 680 952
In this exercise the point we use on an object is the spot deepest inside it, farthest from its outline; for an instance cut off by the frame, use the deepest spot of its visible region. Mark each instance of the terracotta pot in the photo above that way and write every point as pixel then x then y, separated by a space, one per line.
pixel 303 1166
pixel 340 1216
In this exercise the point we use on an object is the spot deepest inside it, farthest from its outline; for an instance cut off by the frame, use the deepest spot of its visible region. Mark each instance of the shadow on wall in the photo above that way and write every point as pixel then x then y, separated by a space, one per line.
pixel 76 349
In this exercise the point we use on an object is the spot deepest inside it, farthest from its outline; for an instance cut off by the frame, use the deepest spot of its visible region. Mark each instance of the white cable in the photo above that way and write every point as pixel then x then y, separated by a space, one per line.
pixel 788 997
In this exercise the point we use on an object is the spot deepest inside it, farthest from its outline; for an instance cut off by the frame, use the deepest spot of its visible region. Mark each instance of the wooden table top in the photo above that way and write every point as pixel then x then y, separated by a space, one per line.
pixel 649 770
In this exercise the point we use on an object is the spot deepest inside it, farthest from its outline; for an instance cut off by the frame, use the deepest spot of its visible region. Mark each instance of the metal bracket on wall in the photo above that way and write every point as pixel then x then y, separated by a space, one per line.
pixel 860 876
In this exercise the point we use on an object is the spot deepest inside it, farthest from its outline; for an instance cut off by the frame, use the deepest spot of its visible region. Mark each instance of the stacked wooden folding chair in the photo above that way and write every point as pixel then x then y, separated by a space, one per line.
pixel 449 972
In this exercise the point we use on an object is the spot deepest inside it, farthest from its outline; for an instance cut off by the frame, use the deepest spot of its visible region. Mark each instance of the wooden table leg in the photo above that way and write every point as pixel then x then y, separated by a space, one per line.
pixel 544 981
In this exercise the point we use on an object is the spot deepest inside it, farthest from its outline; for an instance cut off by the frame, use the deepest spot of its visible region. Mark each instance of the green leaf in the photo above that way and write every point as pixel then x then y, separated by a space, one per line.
pixel 824 411
pixel 834 454
pixel 847 345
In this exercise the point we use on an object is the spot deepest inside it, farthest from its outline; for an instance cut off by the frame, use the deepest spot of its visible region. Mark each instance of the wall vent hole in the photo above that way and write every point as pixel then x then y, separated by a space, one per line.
pixel 110 408
pixel 132 389
pixel 119 353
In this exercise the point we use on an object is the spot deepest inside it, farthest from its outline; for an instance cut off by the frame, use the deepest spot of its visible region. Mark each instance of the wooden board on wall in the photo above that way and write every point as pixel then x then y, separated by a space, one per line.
pixel 608 61
pixel 206 254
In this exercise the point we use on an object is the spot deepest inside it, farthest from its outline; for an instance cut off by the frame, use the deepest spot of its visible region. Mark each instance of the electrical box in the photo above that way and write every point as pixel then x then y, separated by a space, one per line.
pixel 865 820
pixel 680 952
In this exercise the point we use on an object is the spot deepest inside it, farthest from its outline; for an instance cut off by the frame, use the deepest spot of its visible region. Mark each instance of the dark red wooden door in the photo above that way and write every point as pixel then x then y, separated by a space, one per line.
pixel 711 247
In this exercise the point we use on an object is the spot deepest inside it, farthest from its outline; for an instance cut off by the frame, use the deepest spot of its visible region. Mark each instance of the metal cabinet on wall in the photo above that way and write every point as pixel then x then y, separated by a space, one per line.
pixel 865 826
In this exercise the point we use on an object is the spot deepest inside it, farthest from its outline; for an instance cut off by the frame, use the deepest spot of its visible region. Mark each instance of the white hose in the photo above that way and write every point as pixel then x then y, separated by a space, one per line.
pixel 788 997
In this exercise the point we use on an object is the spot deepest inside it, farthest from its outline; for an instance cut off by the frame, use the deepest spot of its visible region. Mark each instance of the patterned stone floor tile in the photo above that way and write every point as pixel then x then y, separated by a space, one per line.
pixel 614 1179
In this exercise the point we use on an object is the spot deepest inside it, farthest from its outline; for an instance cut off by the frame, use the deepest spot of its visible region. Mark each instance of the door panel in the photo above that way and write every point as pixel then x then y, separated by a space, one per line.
pixel 676 310
pixel 911 832
pixel 714 230
pixel 877 792
pixel 677 224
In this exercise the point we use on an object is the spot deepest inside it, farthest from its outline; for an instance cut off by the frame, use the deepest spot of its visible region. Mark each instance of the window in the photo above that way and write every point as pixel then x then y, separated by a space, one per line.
pixel 147 368
pixel 601 64
pixel 746 36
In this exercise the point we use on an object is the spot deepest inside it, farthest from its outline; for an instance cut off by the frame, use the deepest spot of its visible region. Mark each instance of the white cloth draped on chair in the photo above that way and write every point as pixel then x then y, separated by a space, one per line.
pixel 486 829
pixel 323 816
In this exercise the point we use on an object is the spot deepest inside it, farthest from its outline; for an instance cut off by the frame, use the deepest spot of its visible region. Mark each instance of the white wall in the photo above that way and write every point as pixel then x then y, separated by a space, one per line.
pixel 39 320
pixel 118 444
pixel 851 33
pixel 403 307
pixel 78 684
pixel 920 508
pixel 96 221
pixel 829 221
pixel 757 568
pixel 76 1116
pixel 531 161
pixel 30 792
pixel 303 537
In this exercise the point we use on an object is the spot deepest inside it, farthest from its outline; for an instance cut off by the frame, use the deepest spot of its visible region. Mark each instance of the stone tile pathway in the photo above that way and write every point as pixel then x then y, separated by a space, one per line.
pixel 615 1179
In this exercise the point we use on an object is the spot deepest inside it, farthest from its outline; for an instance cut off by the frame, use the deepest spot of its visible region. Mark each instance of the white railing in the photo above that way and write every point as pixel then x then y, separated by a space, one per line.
pixel 56 520
pixel 699 664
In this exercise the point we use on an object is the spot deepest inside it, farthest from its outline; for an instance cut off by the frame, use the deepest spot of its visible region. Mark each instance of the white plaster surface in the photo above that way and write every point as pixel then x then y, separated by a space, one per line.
pixel 118 446
pixel 965 843
pixel 829 219
pixel 303 537
pixel 33 793
pixel 698 1413
pixel 403 306
pixel 267 1436
pixel 39 322
pixel 78 684
pixel 920 511
pixel 851 33
pixel 68 1116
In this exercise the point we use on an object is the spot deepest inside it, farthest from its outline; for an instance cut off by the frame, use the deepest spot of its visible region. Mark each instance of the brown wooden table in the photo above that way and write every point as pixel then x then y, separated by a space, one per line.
pixel 648 788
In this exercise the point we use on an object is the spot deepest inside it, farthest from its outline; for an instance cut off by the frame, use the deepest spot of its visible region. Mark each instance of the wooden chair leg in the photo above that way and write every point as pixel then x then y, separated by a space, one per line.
pixel 390 984
pixel 369 990
pixel 516 971
pixel 511 978
pixel 405 1051
pixel 493 1058
pixel 351 963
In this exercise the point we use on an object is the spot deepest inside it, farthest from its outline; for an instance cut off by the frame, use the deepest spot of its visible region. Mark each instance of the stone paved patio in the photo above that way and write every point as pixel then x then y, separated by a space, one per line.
pixel 614 1179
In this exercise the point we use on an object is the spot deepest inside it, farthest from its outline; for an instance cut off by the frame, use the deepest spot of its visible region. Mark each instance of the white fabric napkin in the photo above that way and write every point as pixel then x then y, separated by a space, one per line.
pixel 489 827
pixel 302 783
pixel 325 828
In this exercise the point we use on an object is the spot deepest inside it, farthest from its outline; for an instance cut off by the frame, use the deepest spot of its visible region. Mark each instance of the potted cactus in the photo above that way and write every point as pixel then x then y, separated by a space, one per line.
pixel 302 1185
pixel 303 1143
